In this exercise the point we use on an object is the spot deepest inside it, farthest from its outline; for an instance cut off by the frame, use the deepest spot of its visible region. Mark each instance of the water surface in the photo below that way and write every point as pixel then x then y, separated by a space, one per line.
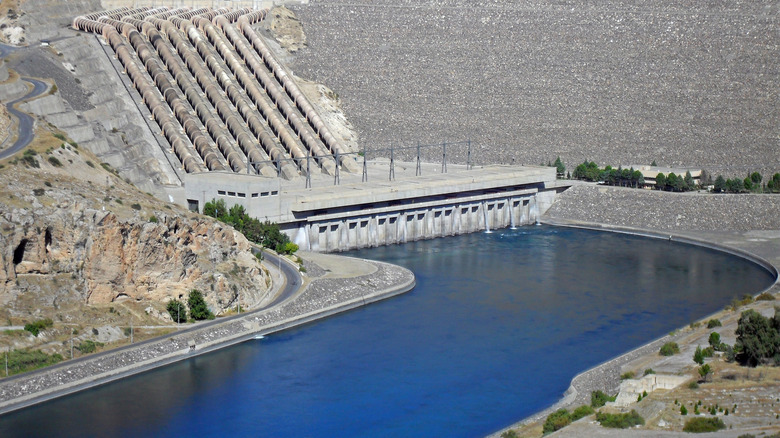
pixel 498 325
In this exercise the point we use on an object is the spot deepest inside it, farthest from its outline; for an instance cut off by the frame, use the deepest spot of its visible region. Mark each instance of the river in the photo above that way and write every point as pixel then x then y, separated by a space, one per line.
pixel 495 330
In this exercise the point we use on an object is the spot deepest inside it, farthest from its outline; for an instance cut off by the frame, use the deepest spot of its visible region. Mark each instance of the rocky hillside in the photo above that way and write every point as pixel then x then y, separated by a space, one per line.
pixel 76 240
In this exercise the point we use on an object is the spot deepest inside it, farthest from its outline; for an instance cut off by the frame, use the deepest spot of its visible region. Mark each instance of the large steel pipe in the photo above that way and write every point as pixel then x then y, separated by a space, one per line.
pixel 173 65
pixel 295 93
pixel 151 97
pixel 277 95
pixel 235 126
pixel 207 82
pixel 183 113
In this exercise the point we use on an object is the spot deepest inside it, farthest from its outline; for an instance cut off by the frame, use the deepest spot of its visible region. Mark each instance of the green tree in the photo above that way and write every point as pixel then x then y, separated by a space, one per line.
pixel 688 180
pixel 660 181
pixel 215 209
pixel 559 167
pixel 757 338
pixel 755 177
pixel 198 308
pixel 698 356
pixel 720 184
pixel 715 340
pixel 705 371
pixel 177 311
pixel 748 184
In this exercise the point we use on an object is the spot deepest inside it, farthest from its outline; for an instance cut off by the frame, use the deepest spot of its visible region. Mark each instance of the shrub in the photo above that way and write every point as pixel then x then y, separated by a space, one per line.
pixel 198 308
pixel 714 340
pixel 649 371
pixel 36 326
pixel 766 296
pixel 669 349
pixel 88 346
pixel 683 410
pixel 177 311
pixel 599 399
pixel 59 136
pixel 693 385
pixel 701 425
pixel 38 192
pixel 713 323
pixel 55 162
pixel 620 421
pixel 135 206
pixel 509 434
pixel 556 421
pixel 581 412
pixel 627 375
pixel 153 219
pixel 90 164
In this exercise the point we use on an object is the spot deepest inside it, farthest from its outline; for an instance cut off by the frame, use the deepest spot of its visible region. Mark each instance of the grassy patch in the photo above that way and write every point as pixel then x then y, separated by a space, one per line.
pixel 36 326
pixel 620 421
pixel 669 349
pixel 20 361
pixel 702 425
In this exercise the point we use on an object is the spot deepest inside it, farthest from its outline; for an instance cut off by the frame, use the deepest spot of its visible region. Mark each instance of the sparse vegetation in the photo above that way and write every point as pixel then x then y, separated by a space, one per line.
pixel 703 424
pixel 714 323
pixel 20 361
pixel 35 327
pixel 669 349
pixel 765 296
pixel 620 421
pixel 265 233
pixel 599 399
pixel 54 161
pixel 135 206
pixel 88 346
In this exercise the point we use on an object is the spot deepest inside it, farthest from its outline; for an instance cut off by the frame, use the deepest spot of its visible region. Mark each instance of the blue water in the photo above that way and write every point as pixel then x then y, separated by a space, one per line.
pixel 495 330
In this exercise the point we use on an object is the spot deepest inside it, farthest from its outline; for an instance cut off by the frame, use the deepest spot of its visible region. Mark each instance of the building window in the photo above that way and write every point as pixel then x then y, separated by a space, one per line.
pixel 274 192
pixel 254 195
pixel 221 192
pixel 264 194
pixel 242 195
pixel 231 193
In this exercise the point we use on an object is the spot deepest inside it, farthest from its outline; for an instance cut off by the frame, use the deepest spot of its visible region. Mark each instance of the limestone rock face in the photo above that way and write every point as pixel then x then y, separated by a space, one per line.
pixel 99 258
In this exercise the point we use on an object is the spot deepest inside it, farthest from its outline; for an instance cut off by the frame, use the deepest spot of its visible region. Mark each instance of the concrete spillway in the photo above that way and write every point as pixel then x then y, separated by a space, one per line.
pixel 220 98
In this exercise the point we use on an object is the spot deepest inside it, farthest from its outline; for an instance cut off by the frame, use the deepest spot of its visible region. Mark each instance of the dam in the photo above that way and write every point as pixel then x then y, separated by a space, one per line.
pixel 235 126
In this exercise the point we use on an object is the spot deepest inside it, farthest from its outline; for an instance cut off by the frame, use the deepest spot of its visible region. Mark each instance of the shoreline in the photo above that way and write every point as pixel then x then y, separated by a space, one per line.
pixel 606 375
pixel 344 293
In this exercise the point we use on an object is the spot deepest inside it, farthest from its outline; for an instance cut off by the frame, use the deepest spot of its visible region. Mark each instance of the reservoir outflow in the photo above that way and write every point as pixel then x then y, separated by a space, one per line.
pixel 498 325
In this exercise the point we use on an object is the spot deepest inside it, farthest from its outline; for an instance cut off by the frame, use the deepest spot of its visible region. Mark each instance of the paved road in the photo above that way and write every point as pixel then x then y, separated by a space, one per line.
pixel 25 121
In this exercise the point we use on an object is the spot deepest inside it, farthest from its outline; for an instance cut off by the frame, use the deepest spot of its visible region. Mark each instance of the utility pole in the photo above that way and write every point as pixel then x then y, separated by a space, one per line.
pixel 71 343
pixel 6 361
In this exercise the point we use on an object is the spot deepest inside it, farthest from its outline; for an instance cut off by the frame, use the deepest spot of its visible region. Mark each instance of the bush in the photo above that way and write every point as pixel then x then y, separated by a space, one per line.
pixel 59 136
pixel 620 421
pixel 599 399
pixel 649 371
pixel 556 421
pixel 701 425
pixel 627 375
pixel 713 323
pixel 55 162
pixel 683 410
pixel 90 164
pixel 177 311
pixel 669 349
pixel 766 296
pixel 693 385
pixel 38 192
pixel 581 412
pixel 88 346
pixel 36 326
pixel 153 219
pixel 136 206
pixel 198 308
